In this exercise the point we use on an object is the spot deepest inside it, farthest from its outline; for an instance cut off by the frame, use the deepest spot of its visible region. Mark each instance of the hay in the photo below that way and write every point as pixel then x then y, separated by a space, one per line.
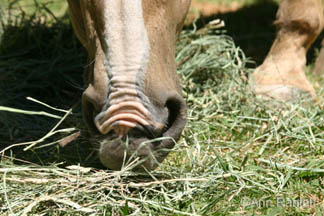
pixel 234 149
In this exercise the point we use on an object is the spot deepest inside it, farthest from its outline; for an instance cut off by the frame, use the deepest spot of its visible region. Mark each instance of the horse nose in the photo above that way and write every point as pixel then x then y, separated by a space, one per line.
pixel 140 139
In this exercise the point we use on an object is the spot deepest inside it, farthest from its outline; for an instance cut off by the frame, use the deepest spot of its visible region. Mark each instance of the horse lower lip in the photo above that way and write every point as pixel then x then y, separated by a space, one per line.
pixel 114 153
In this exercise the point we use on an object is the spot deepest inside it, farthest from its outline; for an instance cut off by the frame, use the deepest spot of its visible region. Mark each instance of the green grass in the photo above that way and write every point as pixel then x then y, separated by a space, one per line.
pixel 237 155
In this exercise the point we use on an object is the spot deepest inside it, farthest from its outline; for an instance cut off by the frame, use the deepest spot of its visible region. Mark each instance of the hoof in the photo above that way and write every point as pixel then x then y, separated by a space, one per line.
pixel 281 92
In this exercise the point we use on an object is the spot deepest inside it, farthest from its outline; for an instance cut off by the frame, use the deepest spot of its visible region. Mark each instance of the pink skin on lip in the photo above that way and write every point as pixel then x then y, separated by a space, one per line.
pixel 130 105
pixel 126 114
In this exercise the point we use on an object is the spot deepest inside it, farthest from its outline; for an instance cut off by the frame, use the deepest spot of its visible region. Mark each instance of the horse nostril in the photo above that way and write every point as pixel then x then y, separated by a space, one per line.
pixel 88 112
pixel 176 118
pixel 91 105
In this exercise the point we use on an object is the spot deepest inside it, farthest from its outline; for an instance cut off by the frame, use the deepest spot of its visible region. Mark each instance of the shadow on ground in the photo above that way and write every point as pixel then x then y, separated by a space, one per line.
pixel 42 59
